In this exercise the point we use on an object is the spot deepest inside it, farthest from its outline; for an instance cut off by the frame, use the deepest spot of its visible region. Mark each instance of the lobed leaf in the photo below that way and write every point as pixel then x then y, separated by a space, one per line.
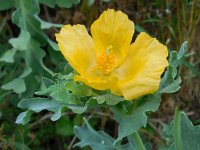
pixel 8 56
pixel 17 85
pixel 22 41
pixel 110 99
pixel 24 117
pixel 52 105
pixel 170 83
pixel 100 140
pixel 131 122
pixel 182 134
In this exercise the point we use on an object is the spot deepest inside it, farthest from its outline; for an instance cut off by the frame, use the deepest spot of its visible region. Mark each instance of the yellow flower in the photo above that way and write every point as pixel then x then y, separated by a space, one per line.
pixel 108 60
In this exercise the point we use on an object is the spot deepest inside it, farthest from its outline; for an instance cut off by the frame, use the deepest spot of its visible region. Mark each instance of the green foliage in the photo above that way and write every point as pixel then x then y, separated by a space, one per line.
pixel 17 85
pixel 9 4
pixel 24 117
pixel 60 3
pixel 8 56
pixel 131 121
pixel 63 93
pixel 64 126
pixel 48 25
pixel 39 104
pixel 182 134
pixel 171 80
pixel 27 46
pixel 190 134
pixel 108 98
pixel 29 54
pixel 98 140
pixel 21 42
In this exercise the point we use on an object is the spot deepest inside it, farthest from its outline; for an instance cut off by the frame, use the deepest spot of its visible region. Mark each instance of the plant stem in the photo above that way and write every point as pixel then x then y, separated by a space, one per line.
pixel 177 133
pixel 135 137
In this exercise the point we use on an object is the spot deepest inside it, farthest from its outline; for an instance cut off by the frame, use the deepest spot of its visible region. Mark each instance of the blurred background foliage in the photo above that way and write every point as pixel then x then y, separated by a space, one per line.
pixel 28 52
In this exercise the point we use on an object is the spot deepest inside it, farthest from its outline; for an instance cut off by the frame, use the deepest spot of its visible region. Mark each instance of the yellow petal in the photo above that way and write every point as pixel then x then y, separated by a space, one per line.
pixel 113 30
pixel 77 47
pixel 141 71
pixel 97 82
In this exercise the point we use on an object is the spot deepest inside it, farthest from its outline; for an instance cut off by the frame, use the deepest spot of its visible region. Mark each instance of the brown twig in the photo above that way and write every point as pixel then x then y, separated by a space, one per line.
pixel 47 116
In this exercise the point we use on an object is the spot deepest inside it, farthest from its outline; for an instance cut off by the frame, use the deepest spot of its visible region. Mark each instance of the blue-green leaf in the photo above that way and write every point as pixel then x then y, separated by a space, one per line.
pixel 98 140
pixel 48 25
pixel 26 72
pixel 53 44
pixel 186 136
pixel 22 41
pixel 25 17
pixel 79 89
pixel 24 117
pixel 131 122
pixel 39 104
pixel 182 134
pixel 8 56
pixel 34 57
pixel 170 83
pixel 110 99
pixel 139 29
pixel 17 85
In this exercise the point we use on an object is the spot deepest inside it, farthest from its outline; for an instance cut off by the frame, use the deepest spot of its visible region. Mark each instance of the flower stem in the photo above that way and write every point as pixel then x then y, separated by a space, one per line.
pixel 135 137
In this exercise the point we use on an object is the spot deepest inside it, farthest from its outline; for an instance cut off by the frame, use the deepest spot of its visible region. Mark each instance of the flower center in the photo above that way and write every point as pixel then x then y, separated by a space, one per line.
pixel 106 61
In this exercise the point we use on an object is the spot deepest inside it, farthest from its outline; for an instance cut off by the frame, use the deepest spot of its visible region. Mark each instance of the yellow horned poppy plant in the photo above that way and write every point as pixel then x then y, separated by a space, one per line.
pixel 108 60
